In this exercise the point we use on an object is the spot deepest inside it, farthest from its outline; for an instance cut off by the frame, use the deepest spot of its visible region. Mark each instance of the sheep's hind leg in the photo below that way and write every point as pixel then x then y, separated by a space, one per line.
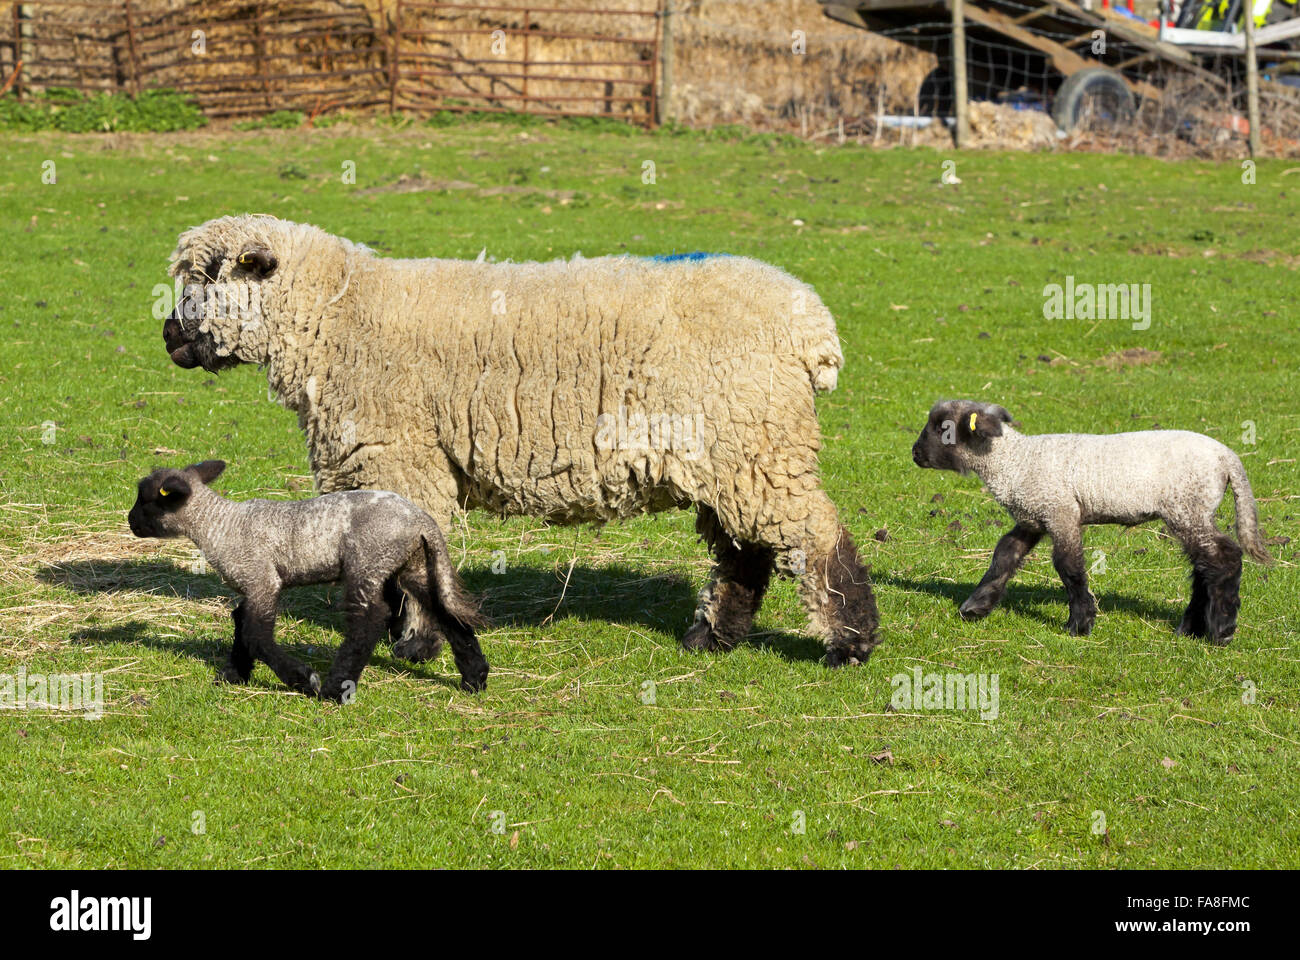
pixel 1067 557
pixel 1222 574
pixel 239 665
pixel 1007 557
pixel 367 621
pixel 258 633
pixel 735 590
pixel 833 583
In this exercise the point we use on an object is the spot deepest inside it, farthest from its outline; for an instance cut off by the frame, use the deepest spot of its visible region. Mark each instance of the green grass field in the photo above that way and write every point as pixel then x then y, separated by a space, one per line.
pixel 1128 748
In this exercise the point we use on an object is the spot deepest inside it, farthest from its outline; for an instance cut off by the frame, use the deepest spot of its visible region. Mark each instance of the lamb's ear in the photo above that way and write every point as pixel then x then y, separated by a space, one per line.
pixel 259 260
pixel 208 470
pixel 173 491
pixel 980 422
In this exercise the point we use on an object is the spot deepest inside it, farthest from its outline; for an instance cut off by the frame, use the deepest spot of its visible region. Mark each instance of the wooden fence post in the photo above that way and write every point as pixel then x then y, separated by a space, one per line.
pixel 130 41
pixel 1252 80
pixel 664 105
pixel 18 51
pixel 393 68
pixel 959 93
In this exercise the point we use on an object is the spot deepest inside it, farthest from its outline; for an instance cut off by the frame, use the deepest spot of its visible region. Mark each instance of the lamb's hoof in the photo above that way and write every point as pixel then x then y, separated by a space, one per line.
pixel 417 649
pixel 228 674
pixel 309 686
pixel 1190 629
pixel 970 611
pixel 333 690
pixel 475 684
pixel 1078 628
pixel 701 637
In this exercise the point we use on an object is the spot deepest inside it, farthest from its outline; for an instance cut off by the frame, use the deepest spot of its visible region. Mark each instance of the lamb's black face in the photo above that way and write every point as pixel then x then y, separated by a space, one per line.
pixel 935 448
pixel 220 286
pixel 953 429
pixel 159 496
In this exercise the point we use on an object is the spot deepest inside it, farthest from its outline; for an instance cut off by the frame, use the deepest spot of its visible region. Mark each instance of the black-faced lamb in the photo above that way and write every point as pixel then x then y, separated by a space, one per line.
pixel 385 551
pixel 581 390
pixel 1055 484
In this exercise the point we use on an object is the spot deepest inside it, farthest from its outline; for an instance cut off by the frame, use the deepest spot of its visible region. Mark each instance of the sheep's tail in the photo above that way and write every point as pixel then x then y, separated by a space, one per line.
pixel 1247 515
pixel 445 587
pixel 822 355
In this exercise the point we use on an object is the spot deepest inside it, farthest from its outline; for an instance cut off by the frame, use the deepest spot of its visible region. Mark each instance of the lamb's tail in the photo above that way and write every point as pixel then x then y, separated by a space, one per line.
pixel 1247 515
pixel 448 592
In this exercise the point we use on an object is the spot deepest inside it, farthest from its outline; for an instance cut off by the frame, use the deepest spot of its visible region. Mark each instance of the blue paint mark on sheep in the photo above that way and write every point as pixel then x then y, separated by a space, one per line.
pixel 695 257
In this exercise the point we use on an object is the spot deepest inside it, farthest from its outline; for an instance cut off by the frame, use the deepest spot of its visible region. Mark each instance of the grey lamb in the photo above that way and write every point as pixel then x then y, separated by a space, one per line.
pixel 1055 484
pixel 386 551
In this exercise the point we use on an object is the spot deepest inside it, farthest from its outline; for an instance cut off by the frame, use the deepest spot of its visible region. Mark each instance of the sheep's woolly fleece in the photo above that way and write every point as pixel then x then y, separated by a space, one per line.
pixel 578 390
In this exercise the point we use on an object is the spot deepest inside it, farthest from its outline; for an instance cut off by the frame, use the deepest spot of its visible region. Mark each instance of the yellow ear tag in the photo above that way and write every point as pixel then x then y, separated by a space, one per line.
pixel 244 259
pixel 163 491
pixel 972 422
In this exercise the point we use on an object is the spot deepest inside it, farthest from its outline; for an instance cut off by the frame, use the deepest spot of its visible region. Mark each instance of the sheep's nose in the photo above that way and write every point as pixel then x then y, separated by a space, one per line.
pixel 172 333
pixel 916 455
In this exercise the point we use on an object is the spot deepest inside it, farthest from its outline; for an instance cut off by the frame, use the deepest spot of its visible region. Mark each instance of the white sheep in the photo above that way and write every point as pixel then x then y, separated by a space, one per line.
pixel 1056 484
pixel 579 390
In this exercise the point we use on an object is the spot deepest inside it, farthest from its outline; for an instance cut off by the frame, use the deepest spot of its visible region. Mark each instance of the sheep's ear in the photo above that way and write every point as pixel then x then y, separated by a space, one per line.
pixel 985 423
pixel 975 422
pixel 208 470
pixel 259 260
pixel 173 491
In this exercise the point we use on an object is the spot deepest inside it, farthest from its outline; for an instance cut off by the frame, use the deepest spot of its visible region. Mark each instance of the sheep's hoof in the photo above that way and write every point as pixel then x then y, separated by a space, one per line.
pixel 699 637
pixel 309 686
pixel 973 612
pixel 228 674
pixel 476 684
pixel 837 657
pixel 1078 628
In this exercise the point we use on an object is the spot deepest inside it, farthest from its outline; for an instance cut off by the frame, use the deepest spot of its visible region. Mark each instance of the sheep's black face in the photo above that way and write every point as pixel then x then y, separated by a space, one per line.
pixel 954 429
pixel 160 495
pixel 220 301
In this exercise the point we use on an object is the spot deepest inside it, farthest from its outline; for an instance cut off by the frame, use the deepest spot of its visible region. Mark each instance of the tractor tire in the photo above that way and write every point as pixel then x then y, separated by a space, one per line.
pixel 1095 98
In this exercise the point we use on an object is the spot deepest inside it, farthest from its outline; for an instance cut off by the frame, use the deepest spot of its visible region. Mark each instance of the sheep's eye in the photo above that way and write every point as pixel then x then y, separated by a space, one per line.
pixel 213 268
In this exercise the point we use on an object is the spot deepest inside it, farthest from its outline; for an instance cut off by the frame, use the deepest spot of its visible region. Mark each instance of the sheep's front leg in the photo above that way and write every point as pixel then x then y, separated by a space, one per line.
pixel 1067 557
pixel 239 665
pixel 1007 557
pixel 257 630
pixel 367 623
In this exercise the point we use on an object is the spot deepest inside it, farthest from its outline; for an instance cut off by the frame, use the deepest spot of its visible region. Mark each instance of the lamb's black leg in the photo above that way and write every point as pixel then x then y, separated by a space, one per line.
pixel 1193 623
pixel 1222 587
pixel 471 663
pixel 239 665
pixel 1067 557
pixel 1007 557
pixel 258 634
pixel 367 623
pixel 735 591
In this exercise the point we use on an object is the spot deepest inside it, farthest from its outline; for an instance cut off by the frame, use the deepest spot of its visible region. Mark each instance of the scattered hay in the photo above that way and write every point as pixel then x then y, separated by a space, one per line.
pixel 1132 357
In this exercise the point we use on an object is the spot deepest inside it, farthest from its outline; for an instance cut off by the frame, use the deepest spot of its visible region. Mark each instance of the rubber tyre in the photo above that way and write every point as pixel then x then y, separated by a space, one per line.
pixel 1098 94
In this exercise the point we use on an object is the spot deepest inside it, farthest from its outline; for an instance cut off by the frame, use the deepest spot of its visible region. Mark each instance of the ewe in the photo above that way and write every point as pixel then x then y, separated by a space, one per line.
pixel 576 391
pixel 1056 484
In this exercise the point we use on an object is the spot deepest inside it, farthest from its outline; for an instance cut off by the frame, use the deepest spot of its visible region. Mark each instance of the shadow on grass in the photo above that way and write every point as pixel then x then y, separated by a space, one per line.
pixel 522 597
pixel 1045 604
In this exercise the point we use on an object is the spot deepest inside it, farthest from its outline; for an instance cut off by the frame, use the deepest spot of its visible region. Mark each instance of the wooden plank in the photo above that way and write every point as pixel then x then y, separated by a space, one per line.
pixel 1063 58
